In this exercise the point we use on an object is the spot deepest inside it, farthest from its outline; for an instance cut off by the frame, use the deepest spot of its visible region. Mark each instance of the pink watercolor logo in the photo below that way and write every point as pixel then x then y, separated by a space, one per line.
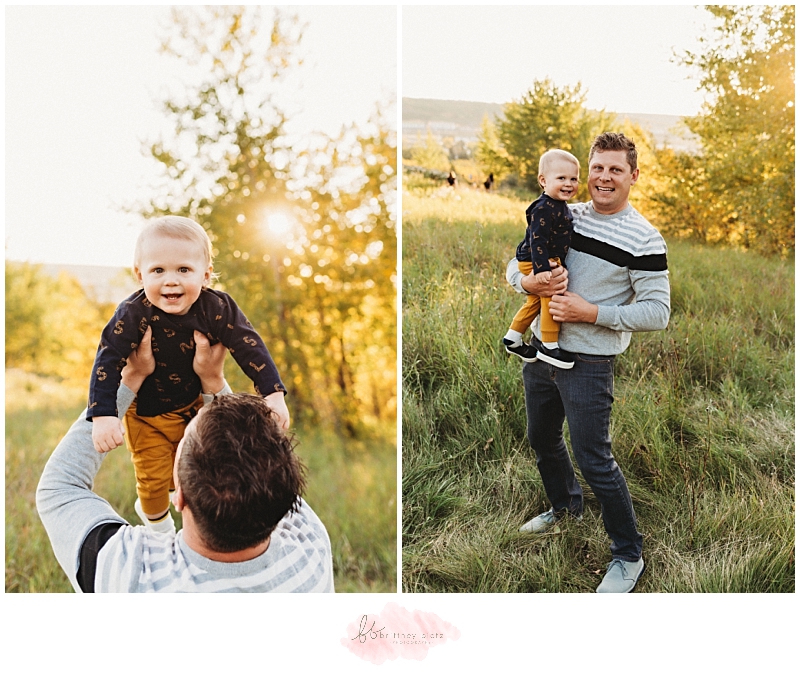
pixel 397 633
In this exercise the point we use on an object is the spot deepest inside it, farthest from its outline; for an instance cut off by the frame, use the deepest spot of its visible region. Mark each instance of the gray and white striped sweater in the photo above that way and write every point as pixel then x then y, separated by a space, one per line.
pixel 136 560
pixel 619 263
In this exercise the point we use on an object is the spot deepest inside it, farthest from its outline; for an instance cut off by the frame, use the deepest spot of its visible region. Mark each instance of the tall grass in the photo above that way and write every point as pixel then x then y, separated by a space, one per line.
pixel 702 425
pixel 352 486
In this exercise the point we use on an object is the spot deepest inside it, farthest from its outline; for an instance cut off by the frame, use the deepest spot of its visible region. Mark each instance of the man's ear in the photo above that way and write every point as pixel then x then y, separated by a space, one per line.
pixel 177 500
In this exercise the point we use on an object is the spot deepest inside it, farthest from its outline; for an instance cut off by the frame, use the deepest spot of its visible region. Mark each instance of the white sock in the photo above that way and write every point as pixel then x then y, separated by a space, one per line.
pixel 550 344
pixel 165 525
pixel 514 336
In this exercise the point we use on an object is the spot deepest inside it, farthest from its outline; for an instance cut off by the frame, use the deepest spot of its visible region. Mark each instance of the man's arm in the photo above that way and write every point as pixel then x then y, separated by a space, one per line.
pixel 68 508
pixel 649 311
pixel 527 284
pixel 78 522
pixel 207 364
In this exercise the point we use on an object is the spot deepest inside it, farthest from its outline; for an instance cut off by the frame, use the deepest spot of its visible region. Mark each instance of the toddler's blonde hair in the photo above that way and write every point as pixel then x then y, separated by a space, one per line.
pixel 174 227
pixel 548 157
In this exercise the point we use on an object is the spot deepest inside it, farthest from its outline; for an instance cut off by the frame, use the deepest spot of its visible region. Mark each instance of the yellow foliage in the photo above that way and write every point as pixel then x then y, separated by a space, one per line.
pixel 52 327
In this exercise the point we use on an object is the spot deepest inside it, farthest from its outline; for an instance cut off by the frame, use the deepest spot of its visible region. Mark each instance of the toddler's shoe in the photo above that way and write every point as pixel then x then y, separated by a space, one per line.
pixel 556 356
pixel 524 351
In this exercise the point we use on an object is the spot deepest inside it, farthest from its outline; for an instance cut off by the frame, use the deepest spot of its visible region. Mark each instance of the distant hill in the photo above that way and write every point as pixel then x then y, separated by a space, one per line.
pixel 461 113
pixel 106 284
pixel 462 120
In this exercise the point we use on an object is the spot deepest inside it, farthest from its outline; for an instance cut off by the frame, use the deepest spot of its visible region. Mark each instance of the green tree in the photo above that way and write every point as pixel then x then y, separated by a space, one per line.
pixel 303 239
pixel 228 135
pixel 26 306
pixel 489 153
pixel 652 180
pixel 430 154
pixel 744 176
pixel 352 261
pixel 52 327
pixel 548 117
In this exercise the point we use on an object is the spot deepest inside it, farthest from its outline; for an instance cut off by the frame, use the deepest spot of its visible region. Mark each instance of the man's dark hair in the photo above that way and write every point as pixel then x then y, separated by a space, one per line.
pixel 615 141
pixel 238 472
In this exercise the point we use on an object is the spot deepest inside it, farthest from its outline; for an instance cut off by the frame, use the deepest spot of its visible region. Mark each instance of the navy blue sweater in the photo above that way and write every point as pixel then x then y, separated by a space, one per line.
pixel 174 384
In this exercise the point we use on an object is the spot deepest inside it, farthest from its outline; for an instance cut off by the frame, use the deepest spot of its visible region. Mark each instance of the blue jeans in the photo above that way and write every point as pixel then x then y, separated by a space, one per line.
pixel 584 395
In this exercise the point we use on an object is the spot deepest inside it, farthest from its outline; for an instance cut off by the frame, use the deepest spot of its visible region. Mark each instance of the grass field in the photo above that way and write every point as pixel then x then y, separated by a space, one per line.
pixel 703 420
pixel 352 486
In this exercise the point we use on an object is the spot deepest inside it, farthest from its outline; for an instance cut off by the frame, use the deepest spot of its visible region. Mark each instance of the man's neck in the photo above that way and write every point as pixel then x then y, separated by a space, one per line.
pixel 610 214
pixel 195 542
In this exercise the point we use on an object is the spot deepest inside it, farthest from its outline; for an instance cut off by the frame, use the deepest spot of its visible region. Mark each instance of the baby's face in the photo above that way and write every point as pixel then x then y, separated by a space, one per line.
pixel 173 273
pixel 560 179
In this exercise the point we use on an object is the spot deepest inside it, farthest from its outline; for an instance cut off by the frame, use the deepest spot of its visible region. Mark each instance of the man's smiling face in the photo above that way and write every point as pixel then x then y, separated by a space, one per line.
pixel 610 181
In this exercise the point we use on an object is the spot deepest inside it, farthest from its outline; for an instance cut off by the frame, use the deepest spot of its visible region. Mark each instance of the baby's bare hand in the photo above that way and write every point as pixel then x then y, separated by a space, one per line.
pixel 543 277
pixel 107 434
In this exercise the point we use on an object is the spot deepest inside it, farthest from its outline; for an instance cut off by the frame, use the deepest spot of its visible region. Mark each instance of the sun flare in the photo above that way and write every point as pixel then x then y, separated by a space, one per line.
pixel 278 223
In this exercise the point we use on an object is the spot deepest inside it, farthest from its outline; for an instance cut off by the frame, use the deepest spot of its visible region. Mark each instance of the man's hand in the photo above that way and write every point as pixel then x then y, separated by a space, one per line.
pixel 140 364
pixel 208 362
pixel 277 404
pixel 557 284
pixel 107 433
pixel 569 307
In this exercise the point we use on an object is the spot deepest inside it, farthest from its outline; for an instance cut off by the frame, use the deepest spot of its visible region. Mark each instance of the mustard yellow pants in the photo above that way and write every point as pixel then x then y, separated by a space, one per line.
pixel 533 304
pixel 153 442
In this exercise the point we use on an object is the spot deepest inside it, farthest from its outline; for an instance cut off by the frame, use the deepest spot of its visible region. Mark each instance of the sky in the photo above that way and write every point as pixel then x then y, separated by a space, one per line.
pixel 81 83
pixel 622 55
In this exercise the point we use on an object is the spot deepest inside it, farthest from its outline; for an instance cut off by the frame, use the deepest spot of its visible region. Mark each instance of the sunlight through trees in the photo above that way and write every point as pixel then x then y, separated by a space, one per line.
pixel 303 233
pixel 740 188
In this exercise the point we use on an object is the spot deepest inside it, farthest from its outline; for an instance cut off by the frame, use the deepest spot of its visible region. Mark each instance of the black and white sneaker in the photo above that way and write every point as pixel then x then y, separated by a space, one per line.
pixel 556 356
pixel 524 351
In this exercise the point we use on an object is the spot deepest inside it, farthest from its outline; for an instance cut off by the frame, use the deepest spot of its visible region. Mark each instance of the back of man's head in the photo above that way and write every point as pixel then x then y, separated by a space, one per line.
pixel 238 473
pixel 615 141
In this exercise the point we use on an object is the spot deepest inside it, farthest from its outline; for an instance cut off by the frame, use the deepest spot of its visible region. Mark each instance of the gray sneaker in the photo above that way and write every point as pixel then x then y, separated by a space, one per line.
pixel 621 576
pixel 543 522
